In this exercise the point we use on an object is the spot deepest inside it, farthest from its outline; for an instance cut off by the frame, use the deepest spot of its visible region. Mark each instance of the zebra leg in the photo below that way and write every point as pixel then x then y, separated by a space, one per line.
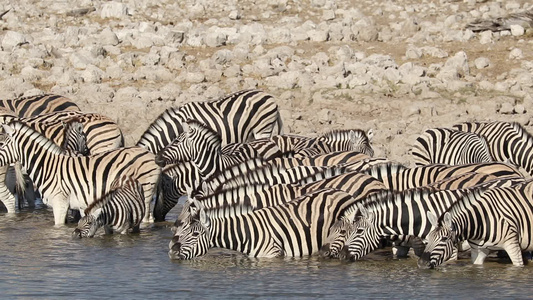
pixel 478 255
pixel 5 195
pixel 60 208
pixel 512 247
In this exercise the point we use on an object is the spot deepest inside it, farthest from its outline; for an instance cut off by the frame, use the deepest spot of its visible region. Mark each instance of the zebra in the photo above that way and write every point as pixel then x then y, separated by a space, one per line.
pixel 493 219
pixel 296 228
pixel 451 147
pixel 344 227
pixel 508 141
pixel 339 140
pixel 75 181
pixel 239 117
pixel 395 215
pixel 120 210
pixel 79 133
pixel 264 195
pixel 279 146
pixel 37 105
pixel 399 178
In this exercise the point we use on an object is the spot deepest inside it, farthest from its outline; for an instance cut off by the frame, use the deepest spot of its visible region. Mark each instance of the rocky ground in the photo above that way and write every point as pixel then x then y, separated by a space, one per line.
pixel 398 67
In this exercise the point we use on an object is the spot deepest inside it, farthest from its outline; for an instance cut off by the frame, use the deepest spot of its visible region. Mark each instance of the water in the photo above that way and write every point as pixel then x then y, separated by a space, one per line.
pixel 40 260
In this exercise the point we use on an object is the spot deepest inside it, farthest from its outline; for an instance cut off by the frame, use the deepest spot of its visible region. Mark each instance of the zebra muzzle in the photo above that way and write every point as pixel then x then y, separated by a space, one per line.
pixel 423 261
pixel 76 233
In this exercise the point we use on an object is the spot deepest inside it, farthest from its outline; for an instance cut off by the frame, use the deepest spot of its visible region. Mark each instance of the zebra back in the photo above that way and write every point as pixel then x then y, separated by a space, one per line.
pixel 36 105
pixel 508 141
pixel 242 116
pixel 449 146
pixel 339 140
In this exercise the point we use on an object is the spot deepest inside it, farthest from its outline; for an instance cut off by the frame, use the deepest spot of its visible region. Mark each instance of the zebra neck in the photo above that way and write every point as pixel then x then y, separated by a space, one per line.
pixel 208 161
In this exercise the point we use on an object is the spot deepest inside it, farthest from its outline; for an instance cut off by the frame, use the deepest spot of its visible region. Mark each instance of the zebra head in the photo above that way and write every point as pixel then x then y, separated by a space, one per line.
pixel 175 152
pixel 364 237
pixel 360 141
pixel 440 242
pixel 75 139
pixel 336 239
pixel 8 146
pixel 86 227
pixel 193 240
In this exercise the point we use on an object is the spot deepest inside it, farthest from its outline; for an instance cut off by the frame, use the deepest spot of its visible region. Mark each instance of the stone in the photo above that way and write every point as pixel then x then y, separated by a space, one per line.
pixel 519 109
pixel 12 39
pixel 506 108
pixel 481 63
pixel 516 54
pixel 517 30
pixel 234 15
pixel 485 37
pixel 114 9
pixel 108 37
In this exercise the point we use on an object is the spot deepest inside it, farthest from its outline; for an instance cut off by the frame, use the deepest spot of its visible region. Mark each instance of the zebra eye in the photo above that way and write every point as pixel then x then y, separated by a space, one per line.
pixel 444 239
pixel 343 232
pixel 360 230
pixel 195 233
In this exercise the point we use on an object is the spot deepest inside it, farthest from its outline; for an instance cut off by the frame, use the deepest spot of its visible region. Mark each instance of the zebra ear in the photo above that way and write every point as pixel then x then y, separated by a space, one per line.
pixel 204 220
pixel 96 212
pixel 432 218
pixel 185 127
pixel 363 211
pixel 370 134
pixel 448 220
pixel 8 129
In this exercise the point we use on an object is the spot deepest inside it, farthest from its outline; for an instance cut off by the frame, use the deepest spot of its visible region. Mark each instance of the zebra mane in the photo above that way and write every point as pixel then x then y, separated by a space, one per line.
pixel 27 131
pixel 160 122
pixel 344 134
pixel 118 185
pixel 240 169
pixel 470 195
pixel 519 128
pixel 230 209
pixel 385 168
pixel 224 196
pixel 206 130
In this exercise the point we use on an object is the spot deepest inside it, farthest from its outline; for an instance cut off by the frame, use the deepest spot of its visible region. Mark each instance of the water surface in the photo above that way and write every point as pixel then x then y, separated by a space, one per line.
pixel 41 260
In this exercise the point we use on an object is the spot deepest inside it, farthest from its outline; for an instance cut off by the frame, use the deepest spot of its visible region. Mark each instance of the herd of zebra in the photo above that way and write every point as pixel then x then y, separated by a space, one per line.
pixel 253 189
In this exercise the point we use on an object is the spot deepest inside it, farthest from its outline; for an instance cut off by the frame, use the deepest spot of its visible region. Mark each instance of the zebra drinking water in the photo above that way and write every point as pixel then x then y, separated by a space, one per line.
pixel 494 219
pixel 119 210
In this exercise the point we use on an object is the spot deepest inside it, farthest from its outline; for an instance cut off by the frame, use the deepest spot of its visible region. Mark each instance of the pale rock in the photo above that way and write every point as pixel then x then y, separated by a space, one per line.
pixel 434 52
pixel 215 38
pixel 519 109
pixel 222 57
pixel 80 59
pixel 194 77
pixel 232 71
pixel 234 15
pixel 213 75
pixel 392 75
pixel 486 85
pixel 485 37
pixel 108 37
pixel 317 35
pixel 413 53
pixel 459 62
pixel 324 116
pixel 280 36
pixel 506 108
pixel 12 39
pixel 92 74
pixel 328 15
pixel 516 53
pixel 114 9
pixel 517 30
pixel 482 62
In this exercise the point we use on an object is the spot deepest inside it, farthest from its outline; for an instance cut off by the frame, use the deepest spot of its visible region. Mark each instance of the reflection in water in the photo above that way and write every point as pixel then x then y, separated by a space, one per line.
pixel 42 260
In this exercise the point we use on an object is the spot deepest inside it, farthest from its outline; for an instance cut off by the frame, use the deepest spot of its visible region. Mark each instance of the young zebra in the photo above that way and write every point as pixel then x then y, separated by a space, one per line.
pixel 296 228
pixel 398 178
pixel 37 105
pixel 450 147
pixel 495 219
pixel 122 209
pixel 507 141
pixel 67 181
pixel 239 117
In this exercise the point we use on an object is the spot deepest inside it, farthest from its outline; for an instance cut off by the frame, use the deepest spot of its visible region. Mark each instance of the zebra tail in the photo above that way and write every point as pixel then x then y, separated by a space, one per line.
pixel 20 180
pixel 159 198
pixel 279 125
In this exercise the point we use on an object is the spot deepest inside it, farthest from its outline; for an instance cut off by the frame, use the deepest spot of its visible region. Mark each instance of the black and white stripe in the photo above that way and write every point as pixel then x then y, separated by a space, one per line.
pixel 294 229
pixel 451 147
pixel 494 219
pixel 122 209
pixel 507 141
pixel 37 105
pixel 239 117
pixel 67 181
